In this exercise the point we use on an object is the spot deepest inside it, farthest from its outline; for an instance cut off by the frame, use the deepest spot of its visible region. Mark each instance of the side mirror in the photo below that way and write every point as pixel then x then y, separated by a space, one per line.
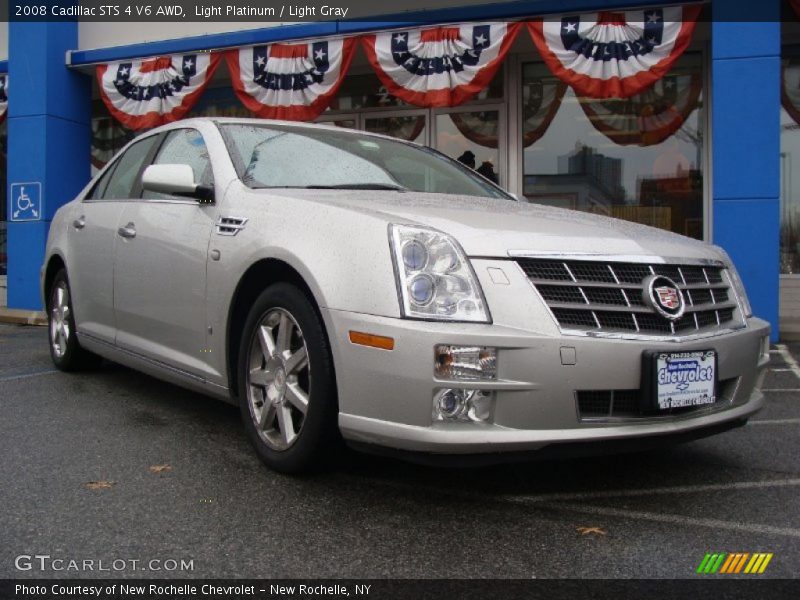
pixel 177 180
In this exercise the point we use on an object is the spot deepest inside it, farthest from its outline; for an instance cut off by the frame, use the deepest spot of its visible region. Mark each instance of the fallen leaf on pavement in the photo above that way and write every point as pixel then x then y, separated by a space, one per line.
pixel 591 530
pixel 98 485
pixel 160 468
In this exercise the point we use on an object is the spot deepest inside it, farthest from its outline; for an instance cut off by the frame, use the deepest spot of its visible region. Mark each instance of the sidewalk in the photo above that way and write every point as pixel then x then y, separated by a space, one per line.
pixel 16 316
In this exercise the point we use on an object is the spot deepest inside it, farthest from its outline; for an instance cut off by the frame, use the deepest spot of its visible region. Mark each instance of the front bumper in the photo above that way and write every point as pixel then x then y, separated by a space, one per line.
pixel 386 397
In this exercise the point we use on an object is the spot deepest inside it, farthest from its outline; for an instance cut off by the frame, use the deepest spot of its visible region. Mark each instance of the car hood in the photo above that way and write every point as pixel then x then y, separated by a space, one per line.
pixel 496 228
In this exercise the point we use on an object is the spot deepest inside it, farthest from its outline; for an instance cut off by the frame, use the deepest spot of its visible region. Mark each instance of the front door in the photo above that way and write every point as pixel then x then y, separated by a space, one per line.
pixel 92 235
pixel 160 266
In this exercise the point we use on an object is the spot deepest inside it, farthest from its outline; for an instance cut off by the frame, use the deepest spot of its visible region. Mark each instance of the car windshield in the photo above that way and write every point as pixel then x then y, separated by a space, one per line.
pixel 277 156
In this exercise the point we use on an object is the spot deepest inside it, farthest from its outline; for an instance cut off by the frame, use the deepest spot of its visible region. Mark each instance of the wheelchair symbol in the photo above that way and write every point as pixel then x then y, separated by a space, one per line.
pixel 26 199
pixel 24 203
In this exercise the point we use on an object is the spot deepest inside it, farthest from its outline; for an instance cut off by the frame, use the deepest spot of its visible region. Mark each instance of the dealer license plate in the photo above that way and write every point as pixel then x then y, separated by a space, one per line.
pixel 685 379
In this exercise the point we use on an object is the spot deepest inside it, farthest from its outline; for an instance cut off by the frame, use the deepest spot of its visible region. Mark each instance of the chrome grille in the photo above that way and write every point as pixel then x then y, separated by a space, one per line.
pixel 605 296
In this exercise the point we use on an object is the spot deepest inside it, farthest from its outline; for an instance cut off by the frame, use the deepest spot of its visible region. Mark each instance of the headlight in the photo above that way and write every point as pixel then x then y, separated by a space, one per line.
pixel 434 279
pixel 736 281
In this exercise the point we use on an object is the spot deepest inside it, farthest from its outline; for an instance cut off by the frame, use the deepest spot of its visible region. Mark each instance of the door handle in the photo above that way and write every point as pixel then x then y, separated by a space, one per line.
pixel 80 222
pixel 129 231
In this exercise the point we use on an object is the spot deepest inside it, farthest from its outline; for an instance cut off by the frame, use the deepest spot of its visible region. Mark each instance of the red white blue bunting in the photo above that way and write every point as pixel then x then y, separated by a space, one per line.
pixel 147 93
pixel 295 82
pixel 3 96
pixel 614 54
pixel 648 118
pixel 441 66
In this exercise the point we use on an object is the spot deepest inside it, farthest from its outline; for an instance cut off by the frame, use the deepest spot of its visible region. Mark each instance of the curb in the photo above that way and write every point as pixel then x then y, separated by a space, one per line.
pixel 15 316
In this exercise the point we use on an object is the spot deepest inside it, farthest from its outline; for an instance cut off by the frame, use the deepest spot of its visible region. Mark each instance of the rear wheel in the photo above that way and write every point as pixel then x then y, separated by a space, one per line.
pixel 65 350
pixel 287 388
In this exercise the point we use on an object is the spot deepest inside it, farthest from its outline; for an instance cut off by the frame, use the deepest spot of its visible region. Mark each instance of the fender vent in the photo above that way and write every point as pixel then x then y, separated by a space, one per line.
pixel 230 225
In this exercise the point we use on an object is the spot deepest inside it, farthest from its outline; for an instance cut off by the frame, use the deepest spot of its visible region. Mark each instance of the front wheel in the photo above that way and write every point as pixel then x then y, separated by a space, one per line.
pixel 287 388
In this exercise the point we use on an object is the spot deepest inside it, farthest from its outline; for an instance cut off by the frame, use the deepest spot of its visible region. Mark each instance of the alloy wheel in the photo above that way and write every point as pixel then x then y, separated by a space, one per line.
pixel 59 320
pixel 278 379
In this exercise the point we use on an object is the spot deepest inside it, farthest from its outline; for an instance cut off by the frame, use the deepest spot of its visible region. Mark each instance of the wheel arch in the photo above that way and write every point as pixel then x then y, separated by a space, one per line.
pixel 54 264
pixel 255 280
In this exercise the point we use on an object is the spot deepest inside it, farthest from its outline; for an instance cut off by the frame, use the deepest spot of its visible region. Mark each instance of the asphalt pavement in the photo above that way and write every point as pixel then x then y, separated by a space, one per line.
pixel 114 465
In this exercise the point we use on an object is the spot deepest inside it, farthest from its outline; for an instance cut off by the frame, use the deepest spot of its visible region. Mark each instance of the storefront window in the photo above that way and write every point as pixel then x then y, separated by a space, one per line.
pixel 790 166
pixel 639 159
pixel 3 204
pixel 472 138
pixel 409 127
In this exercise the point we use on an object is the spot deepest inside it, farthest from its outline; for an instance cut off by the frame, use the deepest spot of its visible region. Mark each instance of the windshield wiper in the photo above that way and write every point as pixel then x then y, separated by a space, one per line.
pixel 339 186
pixel 358 186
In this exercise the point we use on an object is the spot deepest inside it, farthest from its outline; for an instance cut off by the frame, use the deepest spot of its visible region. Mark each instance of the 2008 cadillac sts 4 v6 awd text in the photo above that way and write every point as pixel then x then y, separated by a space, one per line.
pixel 335 283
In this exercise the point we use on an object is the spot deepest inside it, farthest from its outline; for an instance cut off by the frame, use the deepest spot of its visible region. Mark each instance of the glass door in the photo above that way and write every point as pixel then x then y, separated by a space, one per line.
pixel 474 136
pixel 409 125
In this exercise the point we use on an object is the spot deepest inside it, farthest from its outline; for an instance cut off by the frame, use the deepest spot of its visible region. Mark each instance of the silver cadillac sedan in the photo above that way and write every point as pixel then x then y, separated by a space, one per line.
pixel 341 285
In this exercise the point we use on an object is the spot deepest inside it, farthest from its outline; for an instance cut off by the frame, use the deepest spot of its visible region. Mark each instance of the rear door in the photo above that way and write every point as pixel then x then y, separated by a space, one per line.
pixel 92 235
pixel 160 265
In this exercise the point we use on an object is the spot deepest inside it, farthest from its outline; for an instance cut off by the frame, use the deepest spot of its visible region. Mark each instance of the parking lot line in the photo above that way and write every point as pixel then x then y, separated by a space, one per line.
pixel 678 489
pixel 782 390
pixel 787 356
pixel 774 422
pixel 26 375
pixel 674 519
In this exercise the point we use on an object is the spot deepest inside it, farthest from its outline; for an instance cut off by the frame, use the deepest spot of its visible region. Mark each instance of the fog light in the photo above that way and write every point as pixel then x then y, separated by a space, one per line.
pixel 462 405
pixel 451 404
pixel 465 362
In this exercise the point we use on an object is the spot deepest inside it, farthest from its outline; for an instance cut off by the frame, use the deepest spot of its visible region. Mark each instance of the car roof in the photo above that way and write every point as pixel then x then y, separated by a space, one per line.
pixel 281 123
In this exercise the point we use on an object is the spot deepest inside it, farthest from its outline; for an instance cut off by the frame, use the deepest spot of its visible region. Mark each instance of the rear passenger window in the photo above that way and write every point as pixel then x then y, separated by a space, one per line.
pixel 127 169
pixel 185 147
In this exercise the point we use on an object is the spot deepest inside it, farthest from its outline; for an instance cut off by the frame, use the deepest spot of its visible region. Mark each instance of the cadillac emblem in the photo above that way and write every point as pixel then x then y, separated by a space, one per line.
pixel 664 296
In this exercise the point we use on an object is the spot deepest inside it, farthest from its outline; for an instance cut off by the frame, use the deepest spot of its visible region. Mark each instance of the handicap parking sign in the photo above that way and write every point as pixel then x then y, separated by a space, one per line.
pixel 26 201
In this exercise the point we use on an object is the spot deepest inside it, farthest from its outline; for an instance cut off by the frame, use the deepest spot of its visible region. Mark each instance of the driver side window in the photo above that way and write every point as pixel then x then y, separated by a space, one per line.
pixel 183 146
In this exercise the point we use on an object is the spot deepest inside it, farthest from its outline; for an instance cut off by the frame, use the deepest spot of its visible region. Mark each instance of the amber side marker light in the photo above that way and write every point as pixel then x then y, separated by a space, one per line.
pixel 373 341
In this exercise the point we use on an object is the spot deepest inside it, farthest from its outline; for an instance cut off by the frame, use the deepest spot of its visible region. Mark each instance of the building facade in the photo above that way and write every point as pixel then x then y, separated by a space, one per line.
pixel 705 151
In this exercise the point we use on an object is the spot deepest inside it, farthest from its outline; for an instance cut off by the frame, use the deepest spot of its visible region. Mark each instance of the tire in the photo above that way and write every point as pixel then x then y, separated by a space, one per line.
pixel 287 386
pixel 65 350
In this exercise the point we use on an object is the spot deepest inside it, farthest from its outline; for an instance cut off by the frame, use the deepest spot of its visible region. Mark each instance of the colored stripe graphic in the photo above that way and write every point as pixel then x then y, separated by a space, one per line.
pixel 734 562
pixel 758 563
